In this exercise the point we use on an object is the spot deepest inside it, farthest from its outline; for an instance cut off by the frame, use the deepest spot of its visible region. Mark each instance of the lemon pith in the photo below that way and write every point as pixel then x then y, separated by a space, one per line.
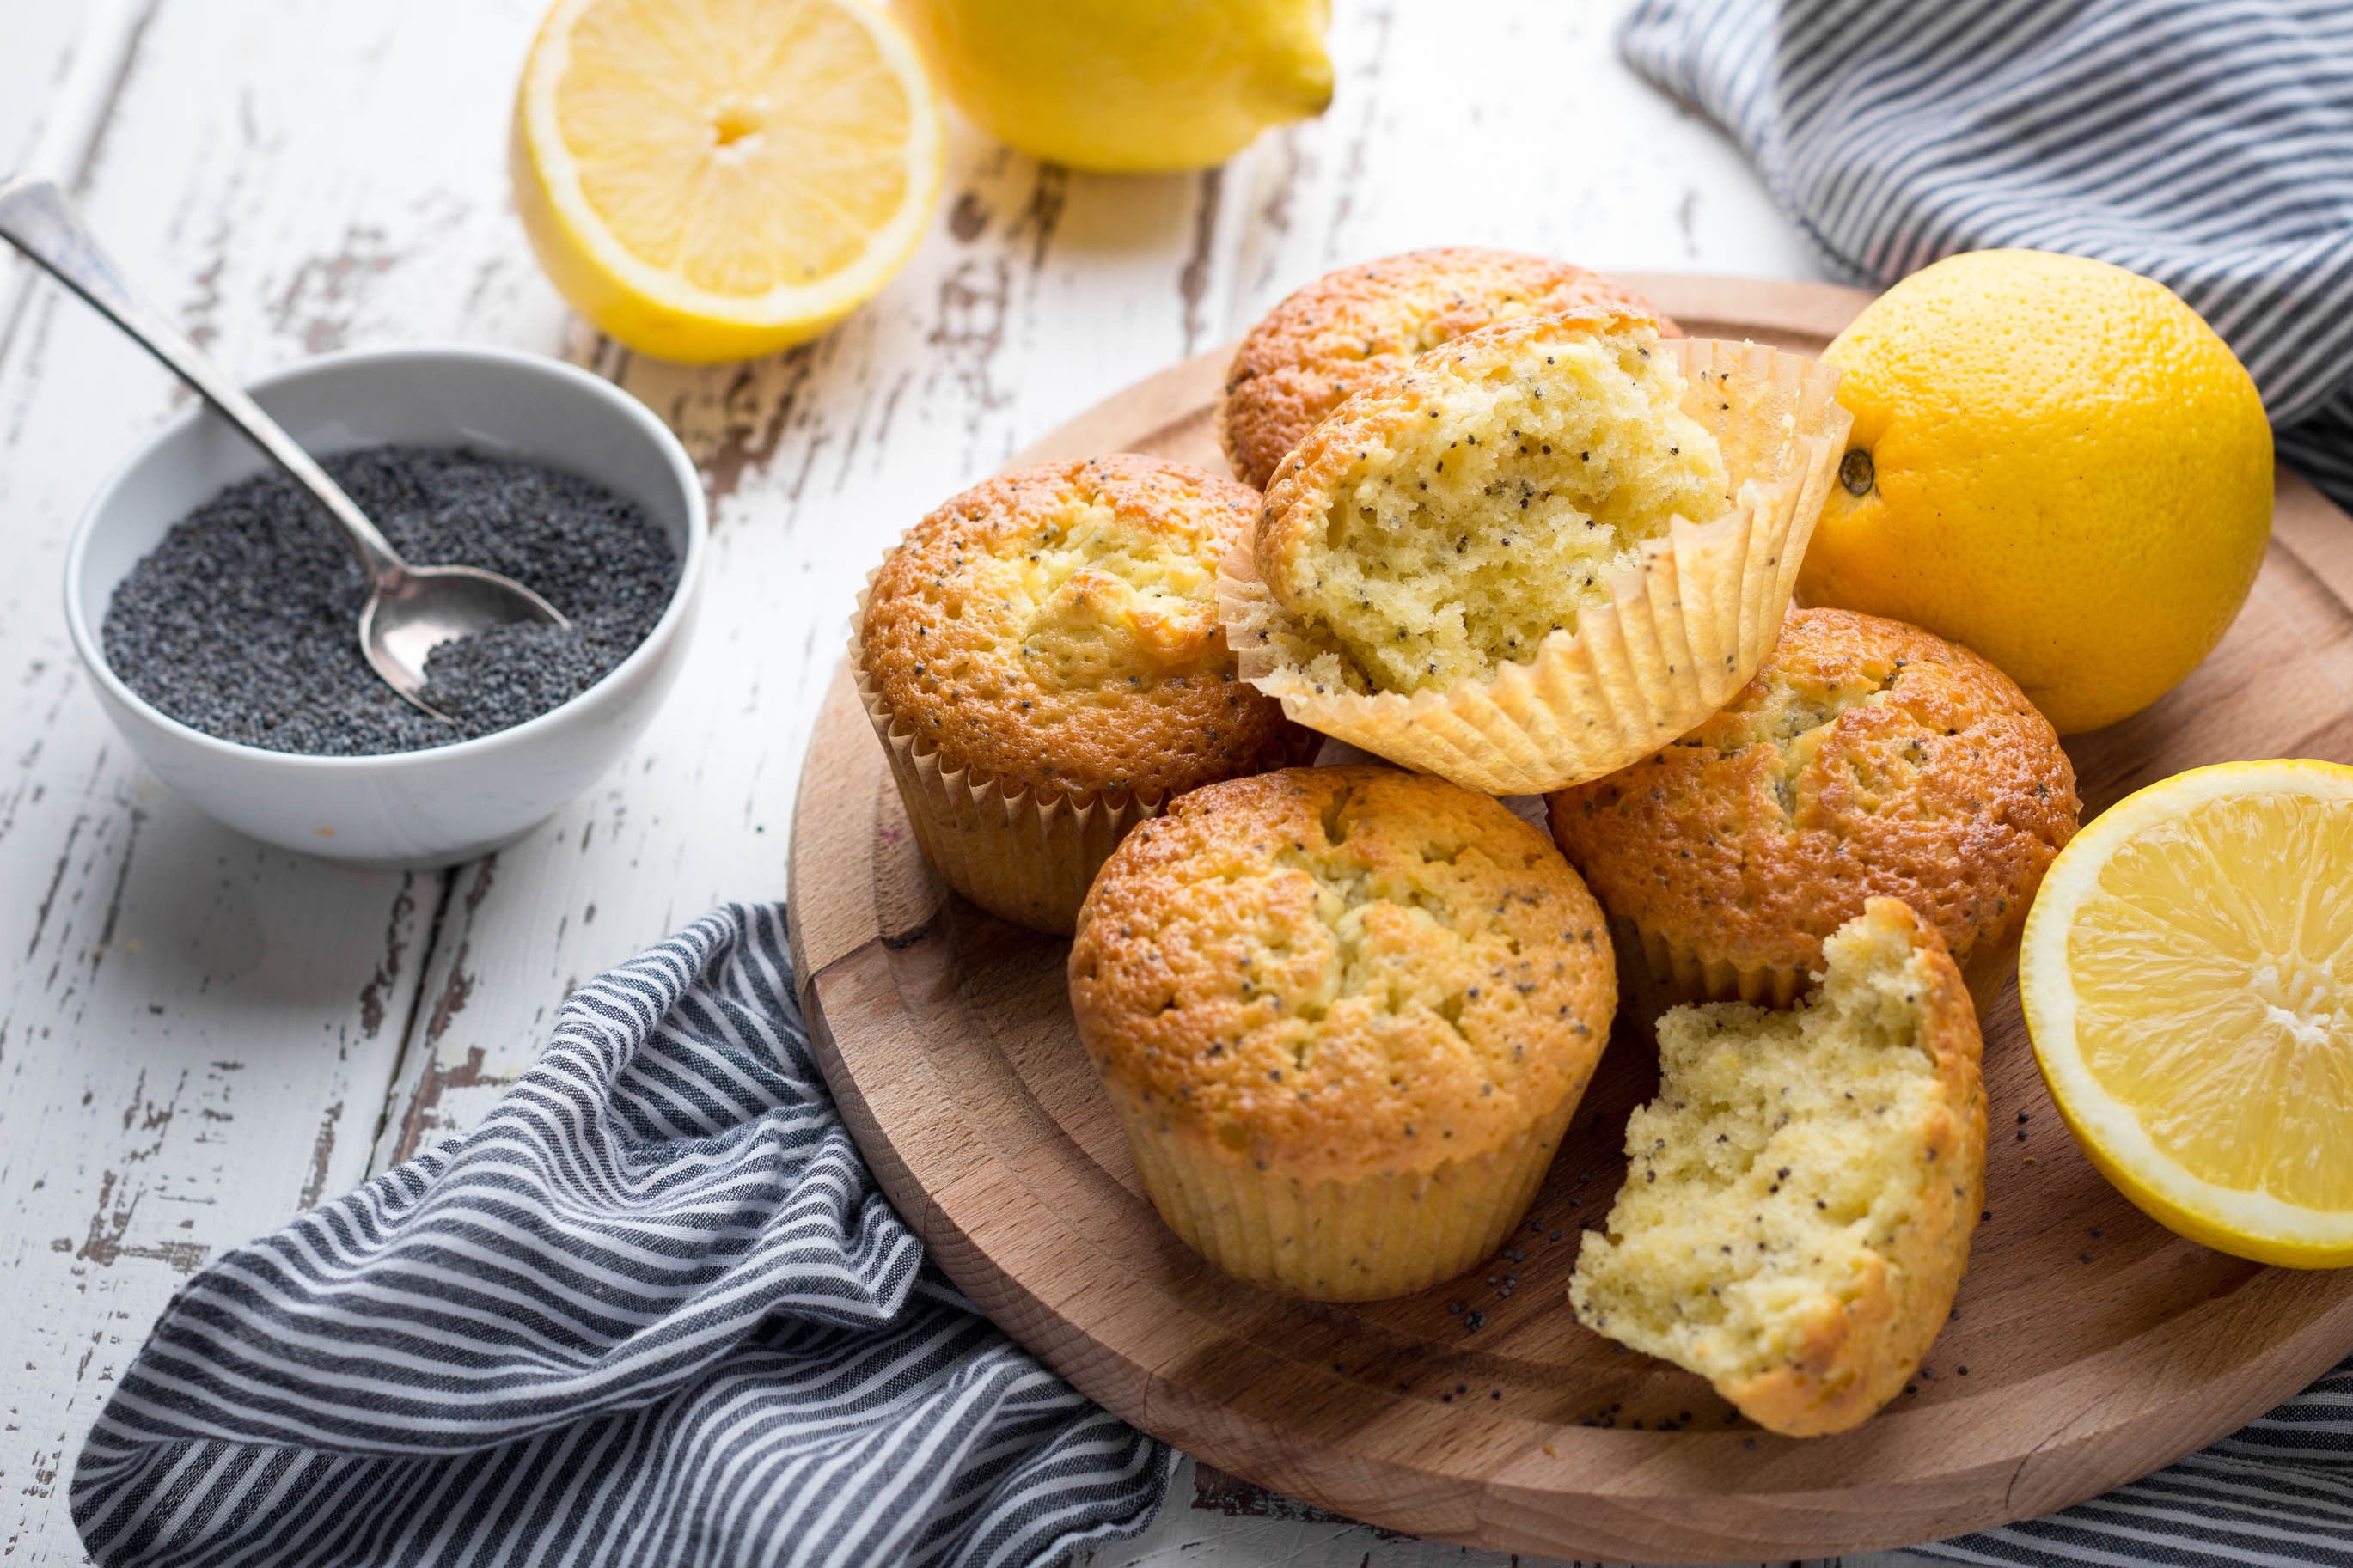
pixel 705 180
pixel 2187 981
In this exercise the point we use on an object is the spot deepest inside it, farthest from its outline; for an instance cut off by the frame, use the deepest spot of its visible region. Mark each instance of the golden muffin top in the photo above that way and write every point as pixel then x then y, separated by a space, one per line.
pixel 1337 972
pixel 1055 629
pixel 1451 518
pixel 1352 328
pixel 1868 757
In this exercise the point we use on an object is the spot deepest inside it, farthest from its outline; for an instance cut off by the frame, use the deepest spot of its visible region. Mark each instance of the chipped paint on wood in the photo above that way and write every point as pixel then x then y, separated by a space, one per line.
pixel 378 991
pixel 323 1155
pixel 188 1022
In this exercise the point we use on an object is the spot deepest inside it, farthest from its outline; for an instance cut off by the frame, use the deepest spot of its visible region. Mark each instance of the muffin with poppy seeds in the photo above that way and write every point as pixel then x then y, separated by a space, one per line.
pixel 1042 658
pixel 1353 328
pixel 1867 758
pixel 1345 1016
pixel 1801 1194
pixel 1552 545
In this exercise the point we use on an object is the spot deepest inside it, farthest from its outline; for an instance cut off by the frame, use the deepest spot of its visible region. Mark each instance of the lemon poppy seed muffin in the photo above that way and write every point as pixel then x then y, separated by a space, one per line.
pixel 1352 328
pixel 1042 656
pixel 1344 1015
pixel 1550 546
pixel 1454 518
pixel 1799 1196
pixel 1867 758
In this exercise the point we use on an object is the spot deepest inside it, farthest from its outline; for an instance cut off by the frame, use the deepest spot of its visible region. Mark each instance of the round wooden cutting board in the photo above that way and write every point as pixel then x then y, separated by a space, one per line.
pixel 2089 1346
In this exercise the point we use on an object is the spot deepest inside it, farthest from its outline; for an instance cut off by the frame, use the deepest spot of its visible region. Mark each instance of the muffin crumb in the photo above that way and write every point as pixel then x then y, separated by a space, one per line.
pixel 1360 325
pixel 1807 1184
pixel 1415 555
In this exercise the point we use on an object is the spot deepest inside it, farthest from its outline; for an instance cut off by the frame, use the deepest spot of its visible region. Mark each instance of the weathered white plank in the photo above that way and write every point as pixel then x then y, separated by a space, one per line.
pixel 54 75
pixel 194 1033
pixel 61 71
pixel 1501 122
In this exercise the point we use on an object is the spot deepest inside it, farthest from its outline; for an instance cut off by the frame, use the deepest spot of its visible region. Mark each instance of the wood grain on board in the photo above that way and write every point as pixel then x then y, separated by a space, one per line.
pixel 2089 1344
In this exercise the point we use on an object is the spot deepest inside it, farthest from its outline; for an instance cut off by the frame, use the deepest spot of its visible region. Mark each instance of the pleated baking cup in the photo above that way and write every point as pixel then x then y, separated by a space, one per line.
pixel 1023 857
pixel 1363 1239
pixel 1665 974
pixel 1655 973
pixel 1683 629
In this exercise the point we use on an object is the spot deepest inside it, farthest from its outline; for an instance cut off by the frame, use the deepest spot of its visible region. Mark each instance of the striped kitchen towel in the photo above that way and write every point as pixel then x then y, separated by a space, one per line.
pixel 2206 143
pixel 653 1309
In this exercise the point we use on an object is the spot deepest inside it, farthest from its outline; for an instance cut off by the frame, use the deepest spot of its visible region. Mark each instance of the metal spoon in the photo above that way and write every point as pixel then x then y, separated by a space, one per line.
pixel 410 610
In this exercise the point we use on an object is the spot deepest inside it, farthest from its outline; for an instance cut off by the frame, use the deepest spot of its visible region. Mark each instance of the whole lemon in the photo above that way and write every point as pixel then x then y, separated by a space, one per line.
pixel 2054 462
pixel 1126 86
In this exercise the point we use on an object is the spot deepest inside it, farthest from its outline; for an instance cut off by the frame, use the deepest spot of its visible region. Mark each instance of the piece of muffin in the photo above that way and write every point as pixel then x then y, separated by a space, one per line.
pixel 1350 329
pixel 1867 758
pixel 1434 531
pixel 1799 1197
pixel 1042 658
pixel 1552 545
pixel 1344 1015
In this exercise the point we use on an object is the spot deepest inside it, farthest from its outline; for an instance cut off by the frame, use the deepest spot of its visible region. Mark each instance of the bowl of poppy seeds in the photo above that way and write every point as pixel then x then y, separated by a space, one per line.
pixel 217 611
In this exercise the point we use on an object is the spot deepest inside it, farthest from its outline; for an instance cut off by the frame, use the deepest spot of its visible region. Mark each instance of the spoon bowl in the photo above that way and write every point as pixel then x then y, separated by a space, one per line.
pixel 411 613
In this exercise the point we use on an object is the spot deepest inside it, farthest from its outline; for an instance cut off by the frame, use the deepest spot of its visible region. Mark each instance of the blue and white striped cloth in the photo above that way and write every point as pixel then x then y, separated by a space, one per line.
pixel 2207 143
pixel 653 1309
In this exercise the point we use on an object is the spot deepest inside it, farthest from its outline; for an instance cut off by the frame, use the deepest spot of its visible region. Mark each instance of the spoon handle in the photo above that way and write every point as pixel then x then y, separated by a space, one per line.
pixel 35 217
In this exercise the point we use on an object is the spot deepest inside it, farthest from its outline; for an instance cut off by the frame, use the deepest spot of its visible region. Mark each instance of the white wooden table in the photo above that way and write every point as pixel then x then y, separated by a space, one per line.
pixel 199 1037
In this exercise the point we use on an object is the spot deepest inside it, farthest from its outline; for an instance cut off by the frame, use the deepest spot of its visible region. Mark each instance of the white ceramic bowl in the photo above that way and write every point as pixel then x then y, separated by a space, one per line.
pixel 409 808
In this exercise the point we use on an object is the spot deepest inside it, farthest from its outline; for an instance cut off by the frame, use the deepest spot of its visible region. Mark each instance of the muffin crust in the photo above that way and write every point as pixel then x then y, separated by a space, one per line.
pixel 1334 973
pixel 1055 629
pixel 1352 328
pixel 1867 758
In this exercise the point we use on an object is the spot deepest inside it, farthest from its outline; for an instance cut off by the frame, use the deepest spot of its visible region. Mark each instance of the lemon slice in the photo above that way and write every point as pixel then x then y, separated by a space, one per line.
pixel 2188 979
pixel 709 179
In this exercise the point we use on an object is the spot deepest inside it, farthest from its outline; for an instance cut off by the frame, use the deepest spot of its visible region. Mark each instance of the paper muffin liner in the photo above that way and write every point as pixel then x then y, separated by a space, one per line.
pixel 1683 629
pixel 1021 856
pixel 1655 973
pixel 1367 1239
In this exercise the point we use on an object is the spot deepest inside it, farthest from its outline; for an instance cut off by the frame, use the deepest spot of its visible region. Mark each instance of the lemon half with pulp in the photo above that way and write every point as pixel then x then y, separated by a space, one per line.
pixel 2188 980
pixel 708 180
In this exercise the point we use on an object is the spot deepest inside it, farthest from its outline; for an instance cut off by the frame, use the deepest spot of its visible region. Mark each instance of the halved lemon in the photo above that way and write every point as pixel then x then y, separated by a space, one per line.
pixel 2188 979
pixel 716 179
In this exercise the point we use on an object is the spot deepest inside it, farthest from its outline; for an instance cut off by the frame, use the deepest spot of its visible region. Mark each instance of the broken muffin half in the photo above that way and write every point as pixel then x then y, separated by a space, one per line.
pixel 1552 545
pixel 1799 1197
